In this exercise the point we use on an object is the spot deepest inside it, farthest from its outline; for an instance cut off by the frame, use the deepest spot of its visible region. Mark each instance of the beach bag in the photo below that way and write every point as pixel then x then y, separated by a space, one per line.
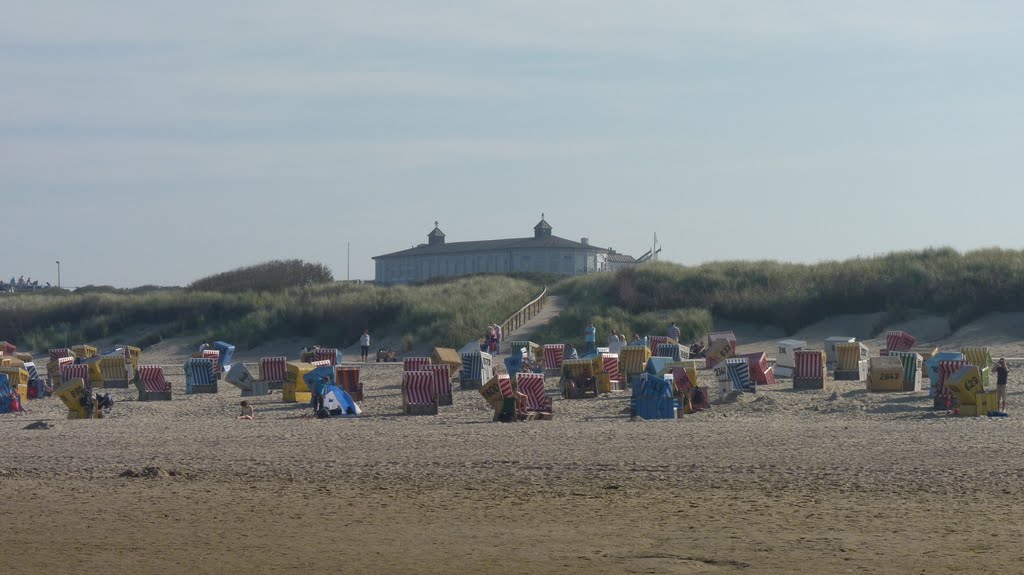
pixel 322 413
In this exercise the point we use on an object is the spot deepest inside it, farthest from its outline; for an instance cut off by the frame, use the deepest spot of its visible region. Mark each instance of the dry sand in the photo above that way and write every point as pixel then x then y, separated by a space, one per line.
pixel 832 481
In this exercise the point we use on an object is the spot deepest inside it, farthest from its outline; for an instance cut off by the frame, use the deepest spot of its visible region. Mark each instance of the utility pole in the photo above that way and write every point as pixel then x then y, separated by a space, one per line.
pixel 348 261
pixel 58 274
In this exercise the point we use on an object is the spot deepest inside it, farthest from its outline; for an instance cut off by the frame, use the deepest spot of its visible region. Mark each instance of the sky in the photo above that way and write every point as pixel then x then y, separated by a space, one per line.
pixel 160 142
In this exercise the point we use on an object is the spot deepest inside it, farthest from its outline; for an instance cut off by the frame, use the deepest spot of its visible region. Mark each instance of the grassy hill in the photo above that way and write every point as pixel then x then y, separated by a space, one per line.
pixel 285 299
pixel 226 307
pixel 642 300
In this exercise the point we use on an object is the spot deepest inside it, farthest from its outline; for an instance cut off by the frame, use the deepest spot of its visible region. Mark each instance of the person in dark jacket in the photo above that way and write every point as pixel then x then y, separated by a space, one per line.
pixel 1002 378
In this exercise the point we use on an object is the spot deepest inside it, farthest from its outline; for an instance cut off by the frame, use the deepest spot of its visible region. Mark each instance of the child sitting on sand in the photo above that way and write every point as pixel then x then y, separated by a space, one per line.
pixel 16 405
pixel 247 411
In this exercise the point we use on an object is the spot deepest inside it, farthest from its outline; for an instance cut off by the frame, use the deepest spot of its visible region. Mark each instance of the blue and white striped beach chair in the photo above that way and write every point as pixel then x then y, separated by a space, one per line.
pixel 200 376
pixel 739 375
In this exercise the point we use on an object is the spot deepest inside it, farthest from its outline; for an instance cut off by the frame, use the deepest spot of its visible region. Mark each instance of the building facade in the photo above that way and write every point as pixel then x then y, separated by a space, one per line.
pixel 543 252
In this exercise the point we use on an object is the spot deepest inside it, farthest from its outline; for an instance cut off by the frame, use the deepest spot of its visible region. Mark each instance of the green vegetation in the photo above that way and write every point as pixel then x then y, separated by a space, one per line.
pixel 962 287
pixel 272 276
pixel 448 313
pixel 641 300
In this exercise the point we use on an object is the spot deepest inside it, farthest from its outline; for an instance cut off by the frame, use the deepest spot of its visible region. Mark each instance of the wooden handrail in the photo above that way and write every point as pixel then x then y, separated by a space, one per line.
pixel 524 314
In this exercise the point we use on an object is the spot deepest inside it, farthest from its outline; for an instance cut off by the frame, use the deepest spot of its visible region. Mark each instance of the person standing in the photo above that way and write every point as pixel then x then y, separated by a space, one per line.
pixel 673 332
pixel 1002 378
pixel 613 342
pixel 364 344
pixel 318 395
pixel 590 339
pixel 497 337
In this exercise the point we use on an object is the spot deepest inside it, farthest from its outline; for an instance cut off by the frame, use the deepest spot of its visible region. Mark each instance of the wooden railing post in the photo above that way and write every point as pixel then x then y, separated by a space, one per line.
pixel 524 314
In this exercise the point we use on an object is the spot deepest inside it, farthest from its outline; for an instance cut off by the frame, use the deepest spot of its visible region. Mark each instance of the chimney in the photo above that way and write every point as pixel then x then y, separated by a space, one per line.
pixel 585 241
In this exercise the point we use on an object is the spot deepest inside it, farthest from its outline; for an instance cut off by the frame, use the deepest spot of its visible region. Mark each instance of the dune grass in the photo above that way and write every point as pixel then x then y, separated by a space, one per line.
pixel 960 286
pixel 448 313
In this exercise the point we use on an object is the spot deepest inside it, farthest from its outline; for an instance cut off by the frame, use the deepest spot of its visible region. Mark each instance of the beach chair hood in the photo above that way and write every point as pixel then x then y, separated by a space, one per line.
pixel 6 396
pixel 313 377
pixel 227 353
pixel 514 364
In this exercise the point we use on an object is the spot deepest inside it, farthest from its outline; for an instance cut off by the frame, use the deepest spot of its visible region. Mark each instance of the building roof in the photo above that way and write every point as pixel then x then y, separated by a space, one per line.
pixel 491 245
pixel 621 259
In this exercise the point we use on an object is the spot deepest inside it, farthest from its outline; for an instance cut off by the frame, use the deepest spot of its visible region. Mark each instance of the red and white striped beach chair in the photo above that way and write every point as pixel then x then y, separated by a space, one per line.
pixel 810 369
pixel 59 352
pixel 53 370
pixel 610 361
pixel 69 371
pixel 760 371
pixel 272 371
pixel 944 398
pixel 501 395
pixel 898 341
pixel 415 363
pixel 508 391
pixel 531 385
pixel 653 341
pixel 213 354
pixel 322 353
pixel 151 384
pixel 347 378
pixel 554 353
pixel 442 381
pixel 419 394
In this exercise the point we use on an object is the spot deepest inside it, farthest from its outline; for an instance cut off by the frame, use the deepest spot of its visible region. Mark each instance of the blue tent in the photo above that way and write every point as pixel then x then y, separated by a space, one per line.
pixel 227 353
pixel 338 402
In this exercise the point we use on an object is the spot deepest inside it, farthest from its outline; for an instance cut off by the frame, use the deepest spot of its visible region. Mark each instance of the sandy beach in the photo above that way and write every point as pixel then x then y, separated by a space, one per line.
pixel 830 481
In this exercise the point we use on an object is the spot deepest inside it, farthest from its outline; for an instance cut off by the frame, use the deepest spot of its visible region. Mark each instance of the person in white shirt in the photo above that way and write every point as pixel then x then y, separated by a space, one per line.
pixel 614 343
pixel 364 344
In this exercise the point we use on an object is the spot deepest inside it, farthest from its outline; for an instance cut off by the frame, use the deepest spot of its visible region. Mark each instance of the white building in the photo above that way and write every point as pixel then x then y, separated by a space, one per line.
pixel 541 253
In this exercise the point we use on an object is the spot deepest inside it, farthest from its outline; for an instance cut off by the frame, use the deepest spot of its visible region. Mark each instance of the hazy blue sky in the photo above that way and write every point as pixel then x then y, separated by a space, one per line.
pixel 158 142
